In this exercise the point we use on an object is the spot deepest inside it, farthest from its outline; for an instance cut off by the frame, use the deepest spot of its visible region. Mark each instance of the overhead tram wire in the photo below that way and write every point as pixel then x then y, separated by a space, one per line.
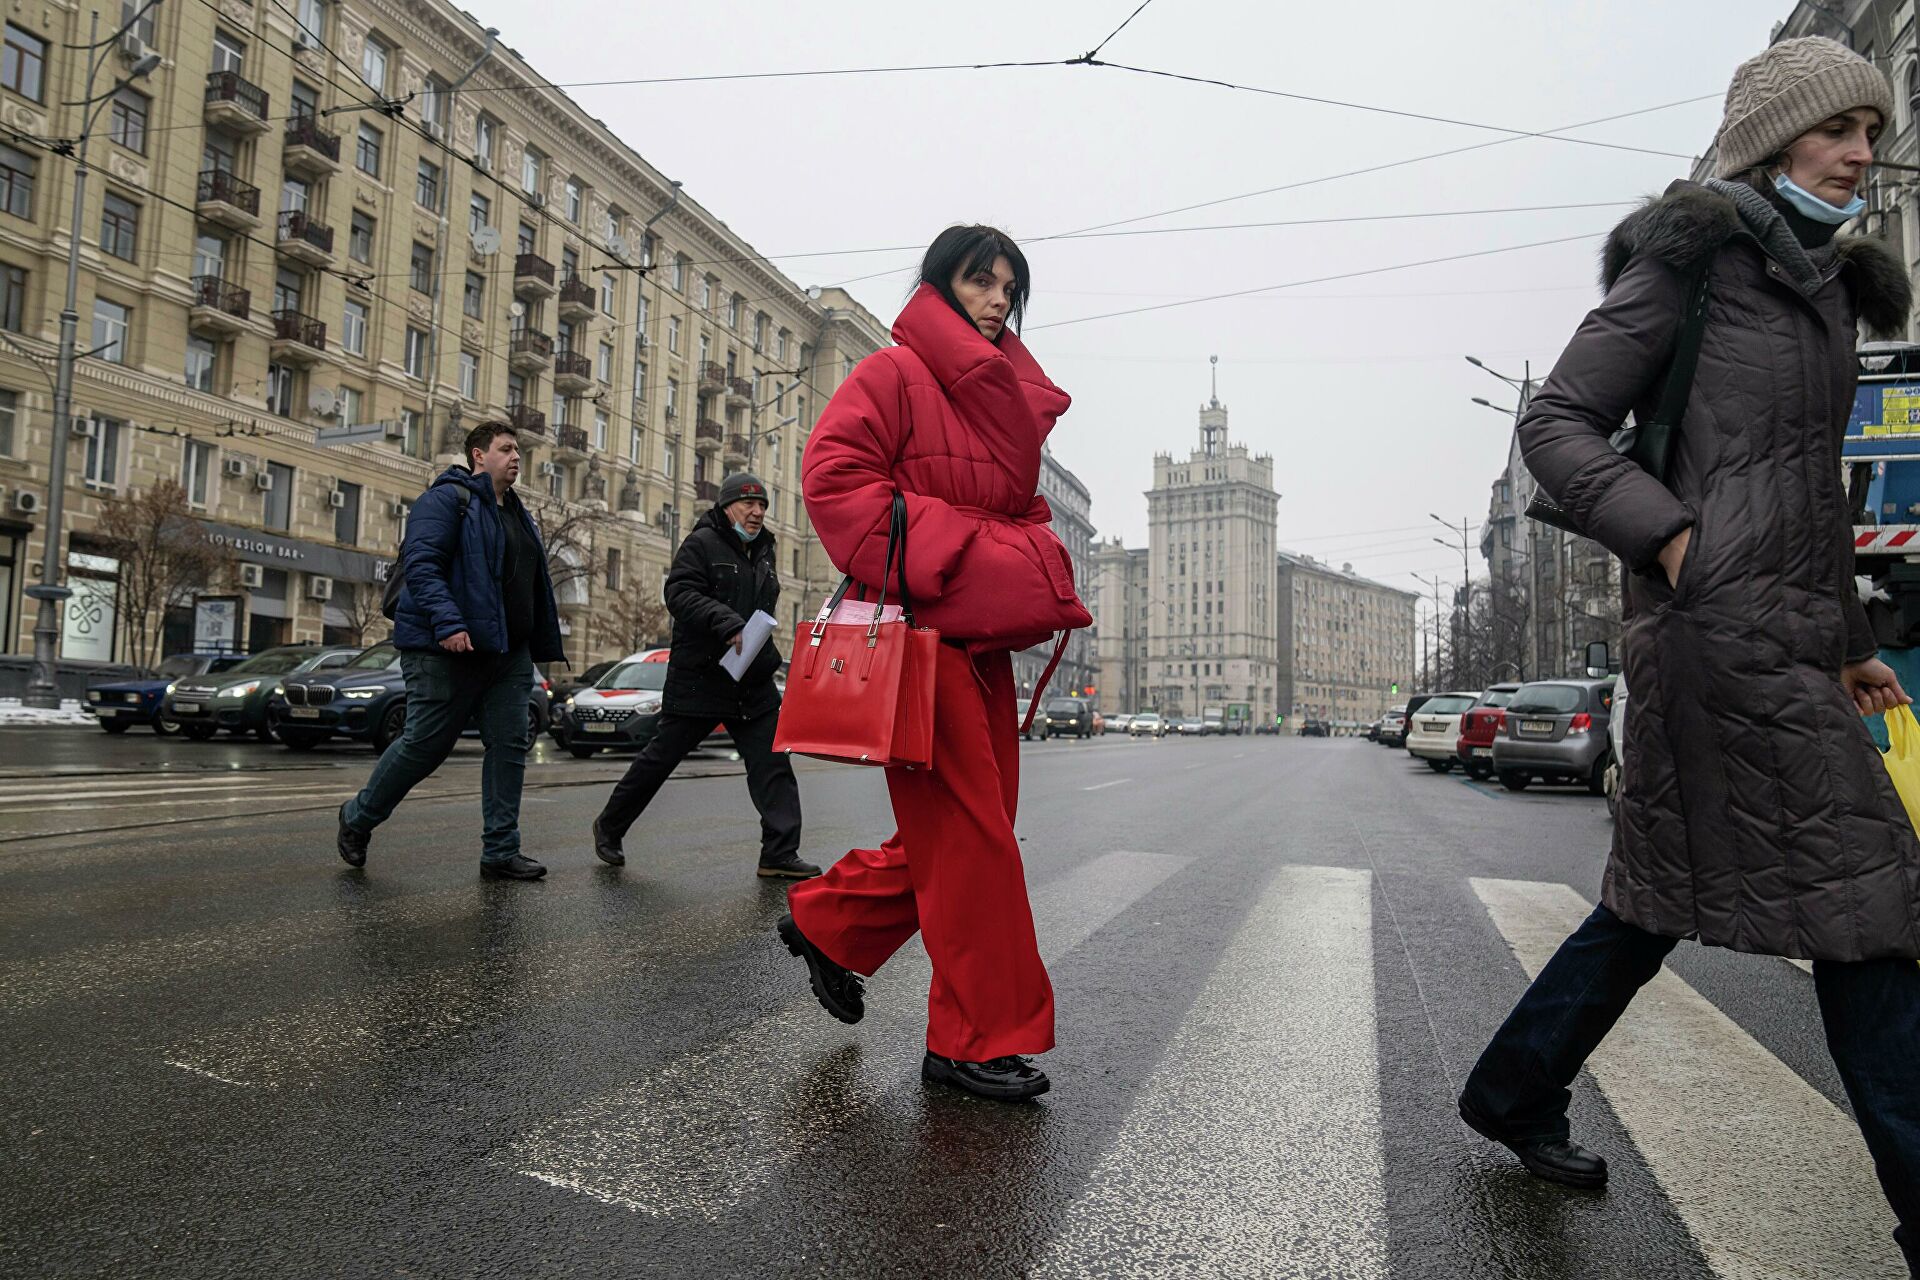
pixel 1094 52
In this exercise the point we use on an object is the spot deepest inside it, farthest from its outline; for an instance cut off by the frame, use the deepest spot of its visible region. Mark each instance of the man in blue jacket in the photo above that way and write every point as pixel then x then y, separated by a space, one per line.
pixel 476 611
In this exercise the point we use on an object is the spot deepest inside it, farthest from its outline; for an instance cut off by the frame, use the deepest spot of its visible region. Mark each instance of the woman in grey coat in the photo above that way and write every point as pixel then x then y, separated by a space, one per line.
pixel 1755 812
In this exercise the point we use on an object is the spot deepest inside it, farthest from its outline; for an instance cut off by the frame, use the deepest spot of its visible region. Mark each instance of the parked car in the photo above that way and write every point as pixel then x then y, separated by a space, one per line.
pixel 1393 728
pixel 1146 724
pixel 1480 726
pixel 1433 732
pixel 1316 729
pixel 564 689
pixel 1267 728
pixel 1119 722
pixel 364 700
pixel 1068 718
pixel 1371 730
pixel 237 700
pixel 121 704
pixel 620 709
pixel 1556 731
pixel 1616 743
pixel 1191 727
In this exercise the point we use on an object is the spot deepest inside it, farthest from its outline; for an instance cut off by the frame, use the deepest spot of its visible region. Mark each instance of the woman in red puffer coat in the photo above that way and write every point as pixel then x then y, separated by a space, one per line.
pixel 953 418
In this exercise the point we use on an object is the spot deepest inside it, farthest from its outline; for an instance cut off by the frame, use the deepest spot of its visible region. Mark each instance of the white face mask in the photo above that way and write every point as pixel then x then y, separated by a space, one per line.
pixel 1813 206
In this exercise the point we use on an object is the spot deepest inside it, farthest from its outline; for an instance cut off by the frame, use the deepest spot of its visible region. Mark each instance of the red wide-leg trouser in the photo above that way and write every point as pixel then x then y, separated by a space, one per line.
pixel 953 872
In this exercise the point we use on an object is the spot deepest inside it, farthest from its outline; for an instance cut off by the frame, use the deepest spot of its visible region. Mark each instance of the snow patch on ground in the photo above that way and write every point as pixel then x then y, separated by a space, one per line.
pixel 14 715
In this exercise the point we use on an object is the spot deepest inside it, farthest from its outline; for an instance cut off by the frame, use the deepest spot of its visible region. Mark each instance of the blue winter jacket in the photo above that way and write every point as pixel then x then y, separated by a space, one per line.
pixel 453 559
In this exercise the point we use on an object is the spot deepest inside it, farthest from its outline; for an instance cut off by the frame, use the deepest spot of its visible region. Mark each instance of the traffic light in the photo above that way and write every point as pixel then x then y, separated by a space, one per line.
pixel 1396 686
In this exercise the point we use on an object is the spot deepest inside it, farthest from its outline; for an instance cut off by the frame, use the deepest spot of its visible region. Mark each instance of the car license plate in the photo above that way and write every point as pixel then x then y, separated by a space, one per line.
pixel 186 708
pixel 303 713
pixel 1536 726
pixel 1481 753
pixel 598 728
pixel 107 711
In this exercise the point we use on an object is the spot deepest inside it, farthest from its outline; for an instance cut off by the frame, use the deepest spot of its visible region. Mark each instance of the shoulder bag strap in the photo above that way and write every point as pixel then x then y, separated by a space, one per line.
pixel 1653 442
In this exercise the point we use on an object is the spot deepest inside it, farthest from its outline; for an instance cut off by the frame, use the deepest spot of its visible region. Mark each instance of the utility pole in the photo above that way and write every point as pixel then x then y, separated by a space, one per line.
pixel 1435 583
pixel 43 687
pixel 1465 664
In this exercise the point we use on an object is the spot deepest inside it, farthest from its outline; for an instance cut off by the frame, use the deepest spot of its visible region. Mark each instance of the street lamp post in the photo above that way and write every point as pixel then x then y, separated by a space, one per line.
pixel 1466 588
pixel 51 592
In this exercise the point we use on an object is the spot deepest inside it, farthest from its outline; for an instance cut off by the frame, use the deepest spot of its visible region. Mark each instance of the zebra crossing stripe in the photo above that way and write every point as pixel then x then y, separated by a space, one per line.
pixel 1771 1178
pixel 1290 1180
pixel 649 1147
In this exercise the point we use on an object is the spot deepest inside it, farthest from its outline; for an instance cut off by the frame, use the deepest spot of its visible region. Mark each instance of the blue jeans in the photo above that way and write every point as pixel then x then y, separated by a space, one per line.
pixel 1871 1010
pixel 444 692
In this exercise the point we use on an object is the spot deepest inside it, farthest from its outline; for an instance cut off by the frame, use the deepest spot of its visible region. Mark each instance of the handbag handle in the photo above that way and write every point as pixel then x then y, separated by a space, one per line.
pixel 896 546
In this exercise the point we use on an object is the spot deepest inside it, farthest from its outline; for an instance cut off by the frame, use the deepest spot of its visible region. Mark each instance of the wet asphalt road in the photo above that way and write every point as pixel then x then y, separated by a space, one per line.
pixel 1274 960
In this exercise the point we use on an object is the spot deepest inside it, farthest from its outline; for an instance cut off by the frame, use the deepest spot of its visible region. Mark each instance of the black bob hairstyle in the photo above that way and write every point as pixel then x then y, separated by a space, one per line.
pixel 965 250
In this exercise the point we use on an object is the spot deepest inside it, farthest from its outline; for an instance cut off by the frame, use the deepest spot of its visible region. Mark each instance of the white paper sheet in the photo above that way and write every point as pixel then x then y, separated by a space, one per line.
pixel 752 640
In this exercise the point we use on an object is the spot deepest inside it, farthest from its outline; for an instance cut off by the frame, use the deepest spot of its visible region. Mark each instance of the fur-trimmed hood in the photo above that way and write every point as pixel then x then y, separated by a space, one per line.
pixel 1688 221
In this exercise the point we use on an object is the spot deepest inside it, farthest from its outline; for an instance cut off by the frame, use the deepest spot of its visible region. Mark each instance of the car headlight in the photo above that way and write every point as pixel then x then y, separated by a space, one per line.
pixel 569 702
pixel 279 689
pixel 169 688
pixel 93 695
pixel 647 706
pixel 361 695
pixel 239 690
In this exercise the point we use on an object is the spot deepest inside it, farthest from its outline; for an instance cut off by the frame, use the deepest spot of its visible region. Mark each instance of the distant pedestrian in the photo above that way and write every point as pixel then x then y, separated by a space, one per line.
pixel 954 418
pixel 725 572
pixel 475 613
pixel 1755 812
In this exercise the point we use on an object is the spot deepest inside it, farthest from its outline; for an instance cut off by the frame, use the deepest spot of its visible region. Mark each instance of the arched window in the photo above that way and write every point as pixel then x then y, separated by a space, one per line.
pixel 1913 92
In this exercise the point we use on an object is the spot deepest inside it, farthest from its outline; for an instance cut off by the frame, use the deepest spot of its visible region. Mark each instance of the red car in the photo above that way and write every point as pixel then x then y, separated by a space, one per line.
pixel 1479 726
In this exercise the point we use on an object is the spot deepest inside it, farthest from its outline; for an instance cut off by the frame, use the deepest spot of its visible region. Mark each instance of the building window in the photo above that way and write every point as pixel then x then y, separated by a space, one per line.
pixel 705 299
pixel 433 105
pixel 606 294
pixel 16 182
pixel 201 355
pixel 736 306
pixel 9 417
pixel 613 568
pixel 646 312
pixel 373 65
pixel 103 455
pixel 673 397
pixel 673 334
pixel 469 375
pixel 23 64
pixel 636 441
pixel 276 508
pixel 127 120
pixel 346 516
pixel 603 369
pixel 420 268
pixel 639 378
pixel 111 322
pixel 353 329
pixel 479 213
pixel 196 468
pixel 648 243
pixel 426 186
pixel 573 201
pixel 416 352
pixel 141 26
pixel 280 390
pixel 229 55
pixel 599 428
pixel 119 226
pixel 366 151
pixel 530 171
pixel 473 297
pixel 360 239
pixel 312 18
pixel 483 129
pixel 352 400
pixel 680 265
pixel 413 432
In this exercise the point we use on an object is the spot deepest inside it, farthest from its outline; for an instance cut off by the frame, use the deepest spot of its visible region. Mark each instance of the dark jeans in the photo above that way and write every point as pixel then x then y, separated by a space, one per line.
pixel 769 778
pixel 1871 1010
pixel 444 692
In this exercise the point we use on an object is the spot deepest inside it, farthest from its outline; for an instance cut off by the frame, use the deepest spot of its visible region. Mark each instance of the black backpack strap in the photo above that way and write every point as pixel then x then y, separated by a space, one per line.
pixel 1653 441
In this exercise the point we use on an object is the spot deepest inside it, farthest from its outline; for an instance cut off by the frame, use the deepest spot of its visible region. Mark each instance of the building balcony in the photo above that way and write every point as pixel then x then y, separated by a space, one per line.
pixel 708 436
pixel 713 379
pixel 527 420
pixel 739 454
pixel 529 351
pixel 311 151
pixel 227 200
pixel 304 240
pixel 572 373
pixel 577 299
pixel 235 104
pixel 740 394
pixel 570 440
pixel 298 339
pixel 218 307
pixel 706 491
pixel 532 276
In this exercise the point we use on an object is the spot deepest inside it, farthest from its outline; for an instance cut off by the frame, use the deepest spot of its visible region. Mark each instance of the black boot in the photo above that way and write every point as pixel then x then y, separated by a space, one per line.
pixel 518 867
pixel 788 868
pixel 351 844
pixel 1559 1160
pixel 606 847
pixel 1008 1079
pixel 838 989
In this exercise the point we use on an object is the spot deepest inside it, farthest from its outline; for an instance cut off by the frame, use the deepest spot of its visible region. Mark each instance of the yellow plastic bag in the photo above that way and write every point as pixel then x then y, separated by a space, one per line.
pixel 1903 761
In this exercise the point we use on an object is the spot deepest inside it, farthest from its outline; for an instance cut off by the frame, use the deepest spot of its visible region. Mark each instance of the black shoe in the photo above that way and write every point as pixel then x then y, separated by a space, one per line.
pixel 515 868
pixel 606 848
pixel 1008 1079
pixel 839 990
pixel 789 868
pixel 351 844
pixel 1559 1160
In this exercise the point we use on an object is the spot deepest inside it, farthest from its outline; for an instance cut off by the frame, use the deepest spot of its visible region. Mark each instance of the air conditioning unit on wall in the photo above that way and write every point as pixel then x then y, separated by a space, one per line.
pixel 24 502
pixel 263 480
pixel 336 499
pixel 398 511
pixel 252 577
pixel 319 588
pixel 236 466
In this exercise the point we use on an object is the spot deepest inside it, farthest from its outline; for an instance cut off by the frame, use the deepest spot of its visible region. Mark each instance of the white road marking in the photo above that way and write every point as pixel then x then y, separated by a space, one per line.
pixel 1292 1182
pixel 1190 768
pixel 1771 1178
pixel 201 1071
pixel 1102 786
pixel 777 1087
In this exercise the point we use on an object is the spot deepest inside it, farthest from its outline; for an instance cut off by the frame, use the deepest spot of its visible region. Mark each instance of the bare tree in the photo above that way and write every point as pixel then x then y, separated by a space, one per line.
pixel 629 622
pixel 359 604
pixel 165 556
pixel 571 534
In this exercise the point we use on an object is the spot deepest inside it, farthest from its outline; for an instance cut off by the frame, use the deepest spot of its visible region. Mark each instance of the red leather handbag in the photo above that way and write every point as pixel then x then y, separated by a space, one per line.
pixel 861 690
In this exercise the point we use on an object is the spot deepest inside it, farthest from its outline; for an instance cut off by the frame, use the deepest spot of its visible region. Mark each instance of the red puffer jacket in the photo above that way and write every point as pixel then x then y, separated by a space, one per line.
pixel 955 423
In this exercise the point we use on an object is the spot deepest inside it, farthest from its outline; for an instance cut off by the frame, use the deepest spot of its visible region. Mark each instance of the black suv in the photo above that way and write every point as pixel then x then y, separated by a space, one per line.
pixel 1069 717
pixel 364 700
pixel 236 699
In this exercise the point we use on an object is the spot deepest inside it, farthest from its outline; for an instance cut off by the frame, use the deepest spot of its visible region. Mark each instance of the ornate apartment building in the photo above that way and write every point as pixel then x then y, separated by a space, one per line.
pixel 311 258
pixel 1072 505
pixel 1116 594
pixel 1344 643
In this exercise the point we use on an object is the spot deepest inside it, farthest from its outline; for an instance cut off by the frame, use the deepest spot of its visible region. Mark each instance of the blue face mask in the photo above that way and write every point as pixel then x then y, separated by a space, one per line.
pixel 1813 206
pixel 744 535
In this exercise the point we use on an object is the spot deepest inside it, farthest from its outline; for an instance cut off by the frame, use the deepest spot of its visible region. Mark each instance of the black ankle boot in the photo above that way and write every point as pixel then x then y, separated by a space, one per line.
pixel 1008 1079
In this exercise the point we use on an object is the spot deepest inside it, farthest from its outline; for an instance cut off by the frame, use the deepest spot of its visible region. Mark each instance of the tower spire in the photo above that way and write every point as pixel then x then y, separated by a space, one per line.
pixel 1215 362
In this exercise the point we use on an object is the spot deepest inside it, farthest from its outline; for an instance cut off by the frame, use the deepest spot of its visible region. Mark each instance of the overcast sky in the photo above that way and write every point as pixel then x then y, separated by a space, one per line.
pixel 1357 387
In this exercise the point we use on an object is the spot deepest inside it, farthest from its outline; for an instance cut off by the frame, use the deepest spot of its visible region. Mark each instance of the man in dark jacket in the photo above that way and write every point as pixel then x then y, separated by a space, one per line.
pixel 475 613
pixel 724 573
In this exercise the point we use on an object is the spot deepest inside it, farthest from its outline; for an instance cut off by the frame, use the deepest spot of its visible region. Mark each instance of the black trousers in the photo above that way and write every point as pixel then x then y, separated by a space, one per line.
pixel 769 778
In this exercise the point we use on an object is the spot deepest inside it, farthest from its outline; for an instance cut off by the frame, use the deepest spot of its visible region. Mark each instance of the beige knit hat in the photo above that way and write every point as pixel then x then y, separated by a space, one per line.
pixel 1780 94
